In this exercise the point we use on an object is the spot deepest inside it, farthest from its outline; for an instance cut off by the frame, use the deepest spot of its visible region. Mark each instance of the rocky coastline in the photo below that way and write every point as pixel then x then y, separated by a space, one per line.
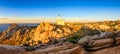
pixel 47 38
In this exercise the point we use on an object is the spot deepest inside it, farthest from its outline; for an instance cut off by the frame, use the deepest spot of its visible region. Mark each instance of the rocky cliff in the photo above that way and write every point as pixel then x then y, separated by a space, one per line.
pixel 49 38
pixel 33 35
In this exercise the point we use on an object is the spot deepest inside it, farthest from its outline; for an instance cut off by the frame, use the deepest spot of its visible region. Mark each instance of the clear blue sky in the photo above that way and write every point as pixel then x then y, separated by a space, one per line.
pixel 83 9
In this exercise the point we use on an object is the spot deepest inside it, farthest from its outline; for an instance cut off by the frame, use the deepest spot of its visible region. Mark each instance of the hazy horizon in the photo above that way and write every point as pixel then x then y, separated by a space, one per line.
pixel 32 11
pixel 52 20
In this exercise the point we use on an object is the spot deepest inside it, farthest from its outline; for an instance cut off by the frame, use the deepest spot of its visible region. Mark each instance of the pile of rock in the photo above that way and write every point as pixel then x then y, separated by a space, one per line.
pixel 105 39
pixel 61 48
pixel 66 48
pixel 46 31
pixel 33 35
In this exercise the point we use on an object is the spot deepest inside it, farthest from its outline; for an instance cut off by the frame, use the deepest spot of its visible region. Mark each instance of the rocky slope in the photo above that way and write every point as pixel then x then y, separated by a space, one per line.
pixel 49 38
pixel 33 35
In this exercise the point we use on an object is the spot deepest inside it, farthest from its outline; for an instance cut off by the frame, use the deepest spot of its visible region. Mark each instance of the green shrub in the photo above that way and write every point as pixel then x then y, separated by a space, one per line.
pixel 74 38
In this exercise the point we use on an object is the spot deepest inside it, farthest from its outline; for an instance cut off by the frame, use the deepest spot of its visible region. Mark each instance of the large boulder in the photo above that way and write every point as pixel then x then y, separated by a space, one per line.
pixel 110 50
pixel 84 40
pixel 88 39
pixel 75 50
pixel 106 35
pixel 94 37
pixel 63 49
pixel 8 49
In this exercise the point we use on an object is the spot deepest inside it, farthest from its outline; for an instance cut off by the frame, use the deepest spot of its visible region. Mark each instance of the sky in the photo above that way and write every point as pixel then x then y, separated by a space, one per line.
pixel 68 9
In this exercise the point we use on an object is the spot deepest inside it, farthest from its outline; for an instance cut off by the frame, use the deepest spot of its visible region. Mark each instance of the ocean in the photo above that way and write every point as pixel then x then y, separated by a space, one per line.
pixel 5 26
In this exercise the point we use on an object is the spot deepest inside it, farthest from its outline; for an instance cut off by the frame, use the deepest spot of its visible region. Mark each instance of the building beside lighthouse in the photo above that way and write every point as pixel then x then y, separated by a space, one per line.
pixel 60 21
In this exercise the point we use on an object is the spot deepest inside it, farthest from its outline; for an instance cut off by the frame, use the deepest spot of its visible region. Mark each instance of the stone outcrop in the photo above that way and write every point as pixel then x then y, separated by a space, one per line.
pixel 33 35
pixel 8 49
pixel 96 42
pixel 62 49
pixel 87 39
pixel 49 38
pixel 110 50
pixel 106 35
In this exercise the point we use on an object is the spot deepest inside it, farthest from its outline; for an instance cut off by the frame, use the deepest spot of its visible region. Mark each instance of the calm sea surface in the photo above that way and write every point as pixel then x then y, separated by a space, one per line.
pixel 5 26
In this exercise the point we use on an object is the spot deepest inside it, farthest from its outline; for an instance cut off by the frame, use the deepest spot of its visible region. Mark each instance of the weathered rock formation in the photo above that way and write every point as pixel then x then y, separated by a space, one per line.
pixel 49 38
pixel 33 35
pixel 96 42
pixel 8 49
pixel 63 48
pixel 110 50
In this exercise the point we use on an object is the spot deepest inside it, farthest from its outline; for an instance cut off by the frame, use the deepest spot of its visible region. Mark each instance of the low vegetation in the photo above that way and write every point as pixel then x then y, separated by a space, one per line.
pixel 44 32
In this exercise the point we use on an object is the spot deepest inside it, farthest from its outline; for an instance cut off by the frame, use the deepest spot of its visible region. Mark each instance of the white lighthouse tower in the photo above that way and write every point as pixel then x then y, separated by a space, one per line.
pixel 60 21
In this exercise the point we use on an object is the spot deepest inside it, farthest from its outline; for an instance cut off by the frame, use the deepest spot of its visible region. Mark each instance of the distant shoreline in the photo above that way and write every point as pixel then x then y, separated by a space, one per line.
pixel 55 22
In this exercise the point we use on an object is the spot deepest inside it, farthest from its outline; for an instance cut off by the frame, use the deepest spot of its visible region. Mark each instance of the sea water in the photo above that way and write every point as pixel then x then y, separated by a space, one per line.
pixel 5 26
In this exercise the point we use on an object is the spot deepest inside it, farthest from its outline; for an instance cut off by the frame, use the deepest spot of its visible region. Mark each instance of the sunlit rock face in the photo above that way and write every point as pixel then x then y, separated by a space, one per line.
pixel 33 35
pixel 12 27
pixel 15 35
pixel 104 27
pixel 45 31
pixel 42 32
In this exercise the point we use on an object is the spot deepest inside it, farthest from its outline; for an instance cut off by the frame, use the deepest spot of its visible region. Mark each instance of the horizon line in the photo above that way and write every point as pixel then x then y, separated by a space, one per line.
pixel 51 20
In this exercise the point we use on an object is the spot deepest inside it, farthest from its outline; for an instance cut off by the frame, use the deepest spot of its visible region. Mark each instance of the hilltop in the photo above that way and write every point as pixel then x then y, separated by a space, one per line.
pixel 78 38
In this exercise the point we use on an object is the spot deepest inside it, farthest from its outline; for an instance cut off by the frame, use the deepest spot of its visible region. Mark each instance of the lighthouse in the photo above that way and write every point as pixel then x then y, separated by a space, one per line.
pixel 60 21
